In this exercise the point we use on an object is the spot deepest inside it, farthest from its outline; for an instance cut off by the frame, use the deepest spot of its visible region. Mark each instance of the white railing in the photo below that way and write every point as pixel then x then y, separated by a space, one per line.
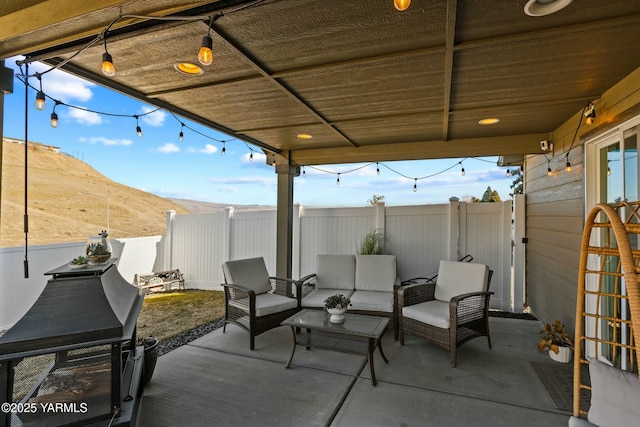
pixel 419 236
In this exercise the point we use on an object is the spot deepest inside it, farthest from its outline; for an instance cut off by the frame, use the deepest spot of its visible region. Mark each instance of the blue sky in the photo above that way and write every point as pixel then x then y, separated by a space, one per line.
pixel 195 168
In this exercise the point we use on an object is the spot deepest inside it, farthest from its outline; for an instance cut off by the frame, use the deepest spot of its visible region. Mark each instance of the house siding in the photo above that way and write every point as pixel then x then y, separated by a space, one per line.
pixel 556 206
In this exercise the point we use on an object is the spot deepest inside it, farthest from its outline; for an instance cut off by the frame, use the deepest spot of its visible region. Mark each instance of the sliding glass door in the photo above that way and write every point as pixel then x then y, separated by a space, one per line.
pixel 612 177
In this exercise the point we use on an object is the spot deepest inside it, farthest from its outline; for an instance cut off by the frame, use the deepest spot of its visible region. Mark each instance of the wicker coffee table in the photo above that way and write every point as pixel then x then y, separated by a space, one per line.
pixel 358 334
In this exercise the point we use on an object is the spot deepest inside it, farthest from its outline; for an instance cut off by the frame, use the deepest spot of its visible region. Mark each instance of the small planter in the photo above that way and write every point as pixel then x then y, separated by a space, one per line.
pixel 150 358
pixel 337 314
pixel 563 356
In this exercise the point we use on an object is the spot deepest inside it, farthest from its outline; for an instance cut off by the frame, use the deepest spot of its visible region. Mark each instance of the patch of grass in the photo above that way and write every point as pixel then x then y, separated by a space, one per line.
pixel 166 314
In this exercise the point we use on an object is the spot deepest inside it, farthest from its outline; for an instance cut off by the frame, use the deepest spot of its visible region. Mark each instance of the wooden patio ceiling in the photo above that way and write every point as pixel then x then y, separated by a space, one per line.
pixel 368 82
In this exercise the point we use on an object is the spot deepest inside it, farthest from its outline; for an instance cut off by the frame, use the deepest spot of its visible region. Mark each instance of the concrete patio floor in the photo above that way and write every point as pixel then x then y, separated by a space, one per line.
pixel 216 380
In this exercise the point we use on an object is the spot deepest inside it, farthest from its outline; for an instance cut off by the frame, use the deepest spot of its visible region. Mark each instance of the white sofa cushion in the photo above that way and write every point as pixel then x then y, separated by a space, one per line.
pixel 266 304
pixel 251 273
pixel 614 396
pixel 316 298
pixel 335 271
pixel 372 301
pixel 375 272
pixel 457 278
pixel 434 313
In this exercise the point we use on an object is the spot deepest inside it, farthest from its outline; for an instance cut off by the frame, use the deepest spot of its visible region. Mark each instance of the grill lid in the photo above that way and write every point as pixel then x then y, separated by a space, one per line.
pixel 92 306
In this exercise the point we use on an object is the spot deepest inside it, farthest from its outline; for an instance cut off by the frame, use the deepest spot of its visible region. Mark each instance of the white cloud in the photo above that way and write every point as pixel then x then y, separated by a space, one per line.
pixel 245 180
pixel 57 84
pixel 155 119
pixel 169 147
pixel 208 149
pixel 258 158
pixel 106 141
pixel 83 117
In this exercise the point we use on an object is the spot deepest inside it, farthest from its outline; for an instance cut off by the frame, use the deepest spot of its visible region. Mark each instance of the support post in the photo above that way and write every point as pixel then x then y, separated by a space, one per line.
pixel 284 216
pixel 454 230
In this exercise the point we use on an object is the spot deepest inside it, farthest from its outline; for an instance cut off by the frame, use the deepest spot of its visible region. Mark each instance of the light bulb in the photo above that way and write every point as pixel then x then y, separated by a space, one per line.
pixel 251 157
pixel 508 172
pixel 107 65
pixel 569 169
pixel 377 169
pixel 224 150
pixel 608 170
pixel 589 120
pixel 40 100
pixel 415 185
pixel 463 172
pixel 139 131
pixel 54 120
pixel 304 172
pixel 549 171
pixel 181 136
pixel 338 180
pixel 401 4
pixel 205 55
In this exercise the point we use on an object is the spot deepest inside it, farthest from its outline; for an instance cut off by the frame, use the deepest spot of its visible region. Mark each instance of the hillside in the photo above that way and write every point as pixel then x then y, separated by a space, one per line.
pixel 59 213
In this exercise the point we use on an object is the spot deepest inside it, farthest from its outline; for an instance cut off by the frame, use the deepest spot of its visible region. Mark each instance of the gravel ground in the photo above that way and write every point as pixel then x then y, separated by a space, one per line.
pixel 188 336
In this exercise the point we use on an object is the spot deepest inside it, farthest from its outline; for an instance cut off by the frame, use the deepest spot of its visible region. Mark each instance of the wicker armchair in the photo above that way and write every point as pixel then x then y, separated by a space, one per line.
pixel 451 311
pixel 255 301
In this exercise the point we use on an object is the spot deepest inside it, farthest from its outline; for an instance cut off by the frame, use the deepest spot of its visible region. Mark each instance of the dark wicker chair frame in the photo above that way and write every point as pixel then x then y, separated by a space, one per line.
pixel 308 285
pixel 469 317
pixel 243 310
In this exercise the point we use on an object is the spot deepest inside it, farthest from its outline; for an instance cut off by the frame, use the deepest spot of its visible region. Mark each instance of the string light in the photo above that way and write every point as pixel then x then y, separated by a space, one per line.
pixel 377 168
pixel 304 172
pixel 415 184
pixel 338 180
pixel 508 172
pixel 40 97
pixel 462 171
pixel 54 116
pixel 569 169
pixel 224 148
pixel 181 134
pixel 138 128
pixel 549 171
pixel 251 156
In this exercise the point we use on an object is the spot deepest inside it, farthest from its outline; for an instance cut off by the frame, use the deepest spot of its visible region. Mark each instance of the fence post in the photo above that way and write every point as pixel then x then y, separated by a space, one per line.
pixel 226 237
pixel 506 249
pixel 168 246
pixel 295 244
pixel 453 228
pixel 519 252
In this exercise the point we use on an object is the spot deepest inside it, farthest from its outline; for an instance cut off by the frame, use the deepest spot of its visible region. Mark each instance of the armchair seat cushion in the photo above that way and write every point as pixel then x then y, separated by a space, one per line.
pixel 266 304
pixel 435 313
pixel 372 301
pixel 316 298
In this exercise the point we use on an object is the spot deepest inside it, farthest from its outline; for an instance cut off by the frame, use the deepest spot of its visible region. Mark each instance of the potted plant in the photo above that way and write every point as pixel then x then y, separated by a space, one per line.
pixel 557 341
pixel 372 243
pixel 337 305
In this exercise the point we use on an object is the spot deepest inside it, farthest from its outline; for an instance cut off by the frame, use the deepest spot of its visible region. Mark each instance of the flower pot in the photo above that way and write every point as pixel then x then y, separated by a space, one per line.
pixel 150 358
pixel 337 314
pixel 563 356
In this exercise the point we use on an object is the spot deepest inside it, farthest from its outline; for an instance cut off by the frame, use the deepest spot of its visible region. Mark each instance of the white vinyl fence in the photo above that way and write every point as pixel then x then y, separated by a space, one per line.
pixel 419 236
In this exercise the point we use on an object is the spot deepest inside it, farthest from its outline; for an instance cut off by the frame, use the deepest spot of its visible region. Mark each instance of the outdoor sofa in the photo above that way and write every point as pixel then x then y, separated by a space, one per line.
pixel 370 281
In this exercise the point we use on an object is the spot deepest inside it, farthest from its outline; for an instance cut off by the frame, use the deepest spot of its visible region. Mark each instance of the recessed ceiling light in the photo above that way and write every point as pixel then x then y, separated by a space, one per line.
pixel 489 121
pixel 545 7
pixel 304 136
pixel 188 68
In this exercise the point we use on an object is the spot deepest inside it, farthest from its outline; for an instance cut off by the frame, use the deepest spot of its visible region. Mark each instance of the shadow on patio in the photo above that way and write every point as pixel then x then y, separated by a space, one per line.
pixel 217 380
